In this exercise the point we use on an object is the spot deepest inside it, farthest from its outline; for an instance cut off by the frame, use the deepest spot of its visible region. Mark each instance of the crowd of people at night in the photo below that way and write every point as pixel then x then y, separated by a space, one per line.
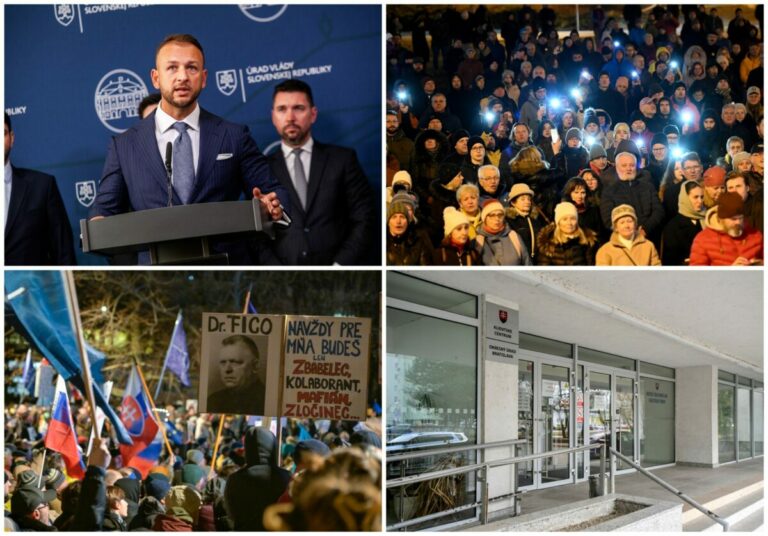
pixel 514 140
pixel 321 476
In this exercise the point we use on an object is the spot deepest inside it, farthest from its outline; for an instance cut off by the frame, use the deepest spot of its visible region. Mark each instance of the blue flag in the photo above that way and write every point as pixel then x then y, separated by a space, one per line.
pixel 39 301
pixel 177 356
pixel 251 309
pixel 28 374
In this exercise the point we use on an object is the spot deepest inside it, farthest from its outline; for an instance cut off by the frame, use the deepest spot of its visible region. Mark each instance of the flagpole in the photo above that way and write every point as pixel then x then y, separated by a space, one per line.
pixel 167 353
pixel 42 467
pixel 69 285
pixel 154 409
pixel 223 416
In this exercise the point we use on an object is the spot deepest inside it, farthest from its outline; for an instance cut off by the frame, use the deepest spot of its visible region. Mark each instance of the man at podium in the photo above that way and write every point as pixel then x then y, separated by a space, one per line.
pixel 205 157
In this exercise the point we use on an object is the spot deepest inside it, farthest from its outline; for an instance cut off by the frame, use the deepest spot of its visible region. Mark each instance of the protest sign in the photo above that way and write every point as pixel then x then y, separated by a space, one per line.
pixel 240 363
pixel 326 367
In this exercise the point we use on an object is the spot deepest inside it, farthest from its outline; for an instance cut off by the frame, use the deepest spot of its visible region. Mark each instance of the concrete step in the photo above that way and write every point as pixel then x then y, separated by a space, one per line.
pixel 751 523
pixel 734 507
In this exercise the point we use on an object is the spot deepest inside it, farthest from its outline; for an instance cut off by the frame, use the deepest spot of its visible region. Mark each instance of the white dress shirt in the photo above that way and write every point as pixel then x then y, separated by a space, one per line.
pixel 164 132
pixel 290 159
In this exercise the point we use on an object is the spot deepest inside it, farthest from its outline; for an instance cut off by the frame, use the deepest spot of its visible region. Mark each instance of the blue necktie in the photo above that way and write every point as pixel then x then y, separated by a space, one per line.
pixel 183 166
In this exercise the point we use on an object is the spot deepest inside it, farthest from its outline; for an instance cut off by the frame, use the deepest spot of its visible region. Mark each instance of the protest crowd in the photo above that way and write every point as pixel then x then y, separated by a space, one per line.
pixel 323 476
pixel 513 142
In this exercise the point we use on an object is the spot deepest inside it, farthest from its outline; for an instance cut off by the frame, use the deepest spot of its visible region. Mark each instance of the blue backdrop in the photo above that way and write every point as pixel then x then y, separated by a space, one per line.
pixel 74 75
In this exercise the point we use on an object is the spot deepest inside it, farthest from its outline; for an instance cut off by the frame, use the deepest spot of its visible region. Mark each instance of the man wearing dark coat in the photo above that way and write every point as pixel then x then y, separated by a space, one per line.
pixel 260 483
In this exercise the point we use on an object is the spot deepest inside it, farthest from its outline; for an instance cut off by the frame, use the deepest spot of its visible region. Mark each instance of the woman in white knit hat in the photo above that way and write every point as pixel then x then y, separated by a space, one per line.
pixel 456 249
pixel 563 242
pixel 627 247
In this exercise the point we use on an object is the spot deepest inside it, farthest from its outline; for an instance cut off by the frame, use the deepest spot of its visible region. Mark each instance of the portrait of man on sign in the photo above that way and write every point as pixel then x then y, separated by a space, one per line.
pixel 239 386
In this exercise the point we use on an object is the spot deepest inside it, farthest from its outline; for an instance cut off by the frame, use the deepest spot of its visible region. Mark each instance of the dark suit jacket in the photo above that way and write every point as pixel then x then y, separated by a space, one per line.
pixel 245 400
pixel 134 176
pixel 37 231
pixel 337 225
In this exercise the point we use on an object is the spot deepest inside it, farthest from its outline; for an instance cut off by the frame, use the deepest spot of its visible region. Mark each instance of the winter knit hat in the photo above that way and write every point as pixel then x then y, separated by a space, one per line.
pixel 452 218
pixel 590 117
pixel 659 138
pixel 671 129
pixel 186 498
pixel 714 176
pixel 573 133
pixel 474 140
pixel 730 205
pixel 408 201
pixel 195 456
pixel 519 189
pixel 456 136
pixel 565 209
pixel 489 206
pixel 596 151
pixel 621 211
pixel 398 208
pixel 738 158
pixel 403 177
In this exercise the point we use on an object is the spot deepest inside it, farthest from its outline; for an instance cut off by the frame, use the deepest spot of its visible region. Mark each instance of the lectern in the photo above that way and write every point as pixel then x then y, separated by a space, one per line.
pixel 179 234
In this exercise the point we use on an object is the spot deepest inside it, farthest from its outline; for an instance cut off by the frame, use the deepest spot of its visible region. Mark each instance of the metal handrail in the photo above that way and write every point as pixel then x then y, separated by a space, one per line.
pixel 451 450
pixel 709 513
pixel 484 467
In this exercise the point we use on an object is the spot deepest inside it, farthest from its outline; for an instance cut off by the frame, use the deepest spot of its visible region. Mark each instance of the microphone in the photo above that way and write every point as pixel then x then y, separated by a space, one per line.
pixel 169 170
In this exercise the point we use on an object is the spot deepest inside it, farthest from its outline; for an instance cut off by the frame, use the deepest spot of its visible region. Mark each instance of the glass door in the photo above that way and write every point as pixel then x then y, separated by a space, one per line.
pixel 525 420
pixel 599 423
pixel 624 398
pixel 554 430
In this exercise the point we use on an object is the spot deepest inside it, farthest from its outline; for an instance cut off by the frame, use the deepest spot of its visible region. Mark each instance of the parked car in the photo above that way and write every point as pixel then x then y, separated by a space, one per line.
pixel 424 440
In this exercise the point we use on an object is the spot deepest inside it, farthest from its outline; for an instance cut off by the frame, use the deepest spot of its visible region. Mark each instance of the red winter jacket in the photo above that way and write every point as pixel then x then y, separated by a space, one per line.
pixel 714 247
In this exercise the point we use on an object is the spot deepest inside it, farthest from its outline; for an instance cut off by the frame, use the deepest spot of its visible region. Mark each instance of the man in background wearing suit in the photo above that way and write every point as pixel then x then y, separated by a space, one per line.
pixel 213 159
pixel 37 230
pixel 331 200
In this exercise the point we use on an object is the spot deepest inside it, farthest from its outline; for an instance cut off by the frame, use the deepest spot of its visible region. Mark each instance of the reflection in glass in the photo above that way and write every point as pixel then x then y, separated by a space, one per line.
pixel 745 423
pixel 599 417
pixel 625 405
pixel 581 456
pixel 726 423
pixel 757 420
pixel 657 410
pixel 431 401
pixel 556 418
pixel 525 419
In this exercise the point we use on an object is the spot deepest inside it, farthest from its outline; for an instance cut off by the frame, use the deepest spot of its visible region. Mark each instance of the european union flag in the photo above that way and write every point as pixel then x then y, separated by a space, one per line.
pixel 177 356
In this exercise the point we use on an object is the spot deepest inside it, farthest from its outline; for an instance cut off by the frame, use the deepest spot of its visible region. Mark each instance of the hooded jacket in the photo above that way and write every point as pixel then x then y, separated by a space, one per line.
pixel 260 483
pixel 678 234
pixel 714 247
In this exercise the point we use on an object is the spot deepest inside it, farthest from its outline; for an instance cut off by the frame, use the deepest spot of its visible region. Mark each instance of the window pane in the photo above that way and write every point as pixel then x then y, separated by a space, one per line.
pixel 656 370
pixel 745 381
pixel 726 422
pixel 544 345
pixel 601 358
pixel 415 290
pixel 726 376
pixel 657 409
pixel 431 401
pixel 745 423
pixel 525 419
pixel 757 421
pixel 555 401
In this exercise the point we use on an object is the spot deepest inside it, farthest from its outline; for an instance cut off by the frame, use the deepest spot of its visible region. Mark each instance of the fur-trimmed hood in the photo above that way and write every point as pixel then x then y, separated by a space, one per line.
pixel 548 244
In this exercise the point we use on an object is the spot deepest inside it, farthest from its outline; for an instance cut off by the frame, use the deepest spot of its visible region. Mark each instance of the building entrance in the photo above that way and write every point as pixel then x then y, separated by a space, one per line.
pixel 559 408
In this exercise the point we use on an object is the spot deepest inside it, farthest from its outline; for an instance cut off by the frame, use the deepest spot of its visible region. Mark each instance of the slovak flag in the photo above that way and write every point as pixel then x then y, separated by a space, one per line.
pixel 61 436
pixel 136 416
